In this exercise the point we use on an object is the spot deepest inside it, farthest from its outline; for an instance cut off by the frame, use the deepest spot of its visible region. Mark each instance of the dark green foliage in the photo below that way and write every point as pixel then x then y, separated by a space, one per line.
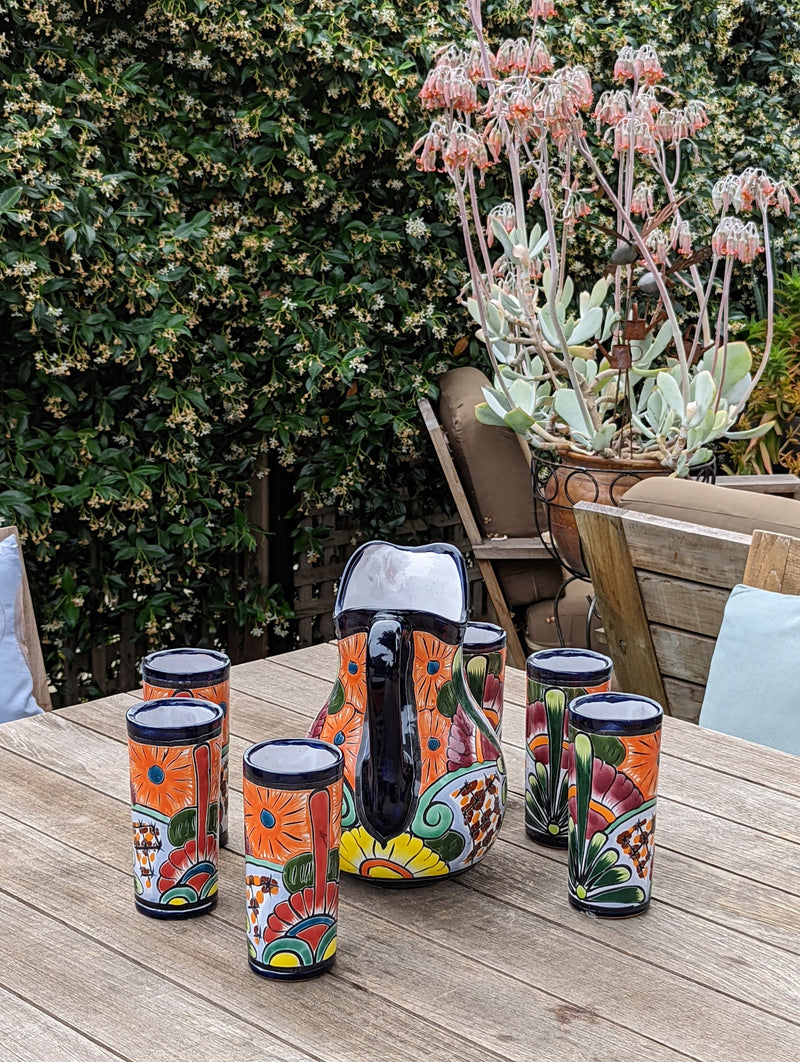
pixel 215 253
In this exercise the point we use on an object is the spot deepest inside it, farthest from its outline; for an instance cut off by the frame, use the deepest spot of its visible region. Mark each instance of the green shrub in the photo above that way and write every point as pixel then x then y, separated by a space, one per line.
pixel 215 254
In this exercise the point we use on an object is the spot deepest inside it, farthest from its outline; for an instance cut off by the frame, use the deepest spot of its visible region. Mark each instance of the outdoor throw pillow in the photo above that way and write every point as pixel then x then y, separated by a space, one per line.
pixel 16 699
pixel 752 691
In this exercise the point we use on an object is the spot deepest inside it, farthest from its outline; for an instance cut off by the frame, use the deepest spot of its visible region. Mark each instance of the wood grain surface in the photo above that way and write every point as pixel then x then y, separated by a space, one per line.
pixel 494 965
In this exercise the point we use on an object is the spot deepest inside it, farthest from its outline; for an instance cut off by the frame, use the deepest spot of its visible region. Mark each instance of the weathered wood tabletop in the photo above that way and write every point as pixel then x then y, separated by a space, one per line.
pixel 493 965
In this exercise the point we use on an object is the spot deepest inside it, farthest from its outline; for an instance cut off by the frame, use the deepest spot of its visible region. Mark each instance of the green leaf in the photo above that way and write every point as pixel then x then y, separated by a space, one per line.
pixel 10 198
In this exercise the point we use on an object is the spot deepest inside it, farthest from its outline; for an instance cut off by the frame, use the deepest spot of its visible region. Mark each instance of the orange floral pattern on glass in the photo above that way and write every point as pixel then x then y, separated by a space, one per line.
pixel 352 670
pixel 641 762
pixel 433 661
pixel 162 778
pixel 434 730
pixel 277 825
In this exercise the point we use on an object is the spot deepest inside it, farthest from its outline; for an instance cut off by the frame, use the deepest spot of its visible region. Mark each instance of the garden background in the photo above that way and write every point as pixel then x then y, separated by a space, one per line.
pixel 224 286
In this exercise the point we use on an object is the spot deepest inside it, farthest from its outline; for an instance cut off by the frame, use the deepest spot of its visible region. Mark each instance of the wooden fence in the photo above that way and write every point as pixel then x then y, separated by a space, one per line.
pixel 114 667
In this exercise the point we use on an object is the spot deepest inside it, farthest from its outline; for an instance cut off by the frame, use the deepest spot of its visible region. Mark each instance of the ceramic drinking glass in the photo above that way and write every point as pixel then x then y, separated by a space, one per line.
pixel 202 673
pixel 175 747
pixel 615 740
pixel 484 649
pixel 555 677
pixel 292 793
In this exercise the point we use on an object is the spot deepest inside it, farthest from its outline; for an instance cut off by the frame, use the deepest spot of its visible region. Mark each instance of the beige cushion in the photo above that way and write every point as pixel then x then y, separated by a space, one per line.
pixel 490 461
pixel 713 506
pixel 497 480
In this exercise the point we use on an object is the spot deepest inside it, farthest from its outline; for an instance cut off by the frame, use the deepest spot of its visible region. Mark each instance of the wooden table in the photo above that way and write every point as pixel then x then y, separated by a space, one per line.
pixel 494 965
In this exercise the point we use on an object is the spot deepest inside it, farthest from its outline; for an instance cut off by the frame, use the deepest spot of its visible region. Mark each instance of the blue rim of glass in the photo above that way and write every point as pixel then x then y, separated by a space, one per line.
pixel 314 778
pixel 154 673
pixel 618 722
pixel 141 724
pixel 484 638
pixel 538 670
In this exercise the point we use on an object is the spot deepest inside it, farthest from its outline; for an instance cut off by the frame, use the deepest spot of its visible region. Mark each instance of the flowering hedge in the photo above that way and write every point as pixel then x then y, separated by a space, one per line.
pixel 215 254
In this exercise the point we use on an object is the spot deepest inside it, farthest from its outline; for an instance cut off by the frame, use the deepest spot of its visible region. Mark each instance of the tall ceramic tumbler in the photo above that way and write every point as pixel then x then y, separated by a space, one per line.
pixel 292 828
pixel 555 677
pixel 202 673
pixel 484 650
pixel 615 739
pixel 175 747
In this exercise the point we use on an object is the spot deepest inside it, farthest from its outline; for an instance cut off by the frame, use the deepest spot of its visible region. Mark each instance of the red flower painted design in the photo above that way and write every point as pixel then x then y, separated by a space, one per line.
pixel 612 795
pixel 181 862
pixel 493 699
pixel 466 745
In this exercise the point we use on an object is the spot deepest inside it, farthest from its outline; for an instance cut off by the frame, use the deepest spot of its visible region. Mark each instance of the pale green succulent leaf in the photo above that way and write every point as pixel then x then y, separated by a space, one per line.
pixel 588 326
pixel 485 415
pixel 670 392
pixel 751 433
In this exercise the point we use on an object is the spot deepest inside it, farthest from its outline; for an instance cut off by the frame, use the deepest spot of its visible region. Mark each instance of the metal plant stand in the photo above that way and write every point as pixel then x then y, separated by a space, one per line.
pixel 555 493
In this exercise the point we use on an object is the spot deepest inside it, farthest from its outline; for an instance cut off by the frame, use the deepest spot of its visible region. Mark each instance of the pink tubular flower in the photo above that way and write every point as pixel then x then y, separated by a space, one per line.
pixel 681 238
pixel 735 239
pixel 612 107
pixel 542 9
pixel 642 200
pixel 624 69
pixel 784 196
pixel 449 85
pixel 658 246
pixel 647 65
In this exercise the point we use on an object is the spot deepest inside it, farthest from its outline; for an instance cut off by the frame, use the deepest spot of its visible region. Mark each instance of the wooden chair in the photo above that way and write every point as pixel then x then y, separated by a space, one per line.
pixel 27 634
pixel 486 550
pixel 662 586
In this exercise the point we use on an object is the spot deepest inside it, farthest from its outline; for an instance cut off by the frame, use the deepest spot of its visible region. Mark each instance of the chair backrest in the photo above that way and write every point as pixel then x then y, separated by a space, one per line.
pixel 661 586
pixel 19 621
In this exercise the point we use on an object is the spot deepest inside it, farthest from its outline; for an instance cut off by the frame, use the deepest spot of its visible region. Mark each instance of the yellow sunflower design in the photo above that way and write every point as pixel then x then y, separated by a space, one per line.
pixel 400 859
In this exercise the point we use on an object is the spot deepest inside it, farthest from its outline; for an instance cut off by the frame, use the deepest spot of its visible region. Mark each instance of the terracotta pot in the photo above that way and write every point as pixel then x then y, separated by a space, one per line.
pixel 577 478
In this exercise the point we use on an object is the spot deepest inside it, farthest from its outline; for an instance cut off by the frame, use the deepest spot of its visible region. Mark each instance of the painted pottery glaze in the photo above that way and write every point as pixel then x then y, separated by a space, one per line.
pixel 484 649
pixel 614 746
pixel 554 678
pixel 175 748
pixel 292 791
pixel 424 779
pixel 202 673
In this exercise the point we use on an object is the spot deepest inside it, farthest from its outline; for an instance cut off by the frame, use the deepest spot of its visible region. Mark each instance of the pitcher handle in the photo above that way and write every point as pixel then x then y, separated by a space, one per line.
pixel 389 761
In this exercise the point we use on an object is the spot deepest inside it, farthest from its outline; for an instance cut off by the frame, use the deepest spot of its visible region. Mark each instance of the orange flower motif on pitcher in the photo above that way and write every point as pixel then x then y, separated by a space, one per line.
pixel 641 762
pixel 352 670
pixel 434 729
pixel 276 823
pixel 162 778
pixel 343 729
pixel 433 664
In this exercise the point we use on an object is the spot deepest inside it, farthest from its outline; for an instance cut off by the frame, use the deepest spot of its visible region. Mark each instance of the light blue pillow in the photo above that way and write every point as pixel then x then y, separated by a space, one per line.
pixel 752 689
pixel 16 693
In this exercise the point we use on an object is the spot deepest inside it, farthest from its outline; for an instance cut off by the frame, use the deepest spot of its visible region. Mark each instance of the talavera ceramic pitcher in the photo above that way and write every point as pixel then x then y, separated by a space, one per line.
pixel 425 782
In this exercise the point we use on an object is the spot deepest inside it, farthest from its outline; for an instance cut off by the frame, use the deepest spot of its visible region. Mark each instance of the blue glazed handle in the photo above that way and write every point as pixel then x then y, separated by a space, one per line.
pixel 389 759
